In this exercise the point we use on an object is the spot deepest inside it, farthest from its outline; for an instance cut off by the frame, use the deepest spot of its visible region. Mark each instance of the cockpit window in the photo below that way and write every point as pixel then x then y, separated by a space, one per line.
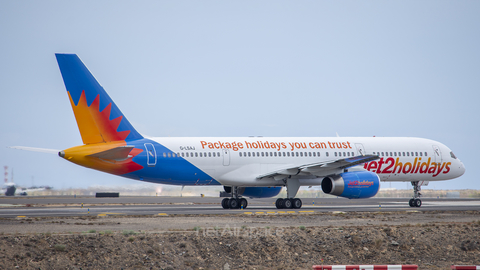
pixel 453 155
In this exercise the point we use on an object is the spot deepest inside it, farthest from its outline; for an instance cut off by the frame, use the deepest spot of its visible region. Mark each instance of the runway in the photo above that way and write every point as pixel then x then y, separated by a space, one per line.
pixel 69 206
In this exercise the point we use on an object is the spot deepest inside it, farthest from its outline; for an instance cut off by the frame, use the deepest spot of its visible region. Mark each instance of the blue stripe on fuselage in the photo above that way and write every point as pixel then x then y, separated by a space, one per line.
pixel 167 170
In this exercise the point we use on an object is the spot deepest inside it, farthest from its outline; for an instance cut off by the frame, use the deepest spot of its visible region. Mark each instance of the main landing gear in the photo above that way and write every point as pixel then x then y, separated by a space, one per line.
pixel 415 201
pixel 235 202
pixel 290 202
pixel 232 203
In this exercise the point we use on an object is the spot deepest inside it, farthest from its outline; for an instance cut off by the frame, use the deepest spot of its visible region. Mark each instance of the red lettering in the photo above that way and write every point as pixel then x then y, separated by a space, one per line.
pixel 447 167
pixel 380 163
pixel 372 165
pixel 388 168
pixel 418 165
pixel 398 165
pixel 424 166
pixel 405 170
pixel 440 168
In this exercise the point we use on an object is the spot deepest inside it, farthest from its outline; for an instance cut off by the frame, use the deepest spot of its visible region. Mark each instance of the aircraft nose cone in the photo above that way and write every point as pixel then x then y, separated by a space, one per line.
pixel 461 168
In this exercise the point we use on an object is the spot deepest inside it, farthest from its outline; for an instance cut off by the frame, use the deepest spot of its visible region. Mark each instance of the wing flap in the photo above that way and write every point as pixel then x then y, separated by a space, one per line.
pixel 319 168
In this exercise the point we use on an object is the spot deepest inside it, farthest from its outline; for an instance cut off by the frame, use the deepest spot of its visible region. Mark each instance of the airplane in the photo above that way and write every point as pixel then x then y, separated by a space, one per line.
pixel 11 189
pixel 254 167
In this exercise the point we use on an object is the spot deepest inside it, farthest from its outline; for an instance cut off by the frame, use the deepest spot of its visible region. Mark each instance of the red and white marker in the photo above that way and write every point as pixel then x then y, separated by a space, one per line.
pixel 365 267
pixel 466 267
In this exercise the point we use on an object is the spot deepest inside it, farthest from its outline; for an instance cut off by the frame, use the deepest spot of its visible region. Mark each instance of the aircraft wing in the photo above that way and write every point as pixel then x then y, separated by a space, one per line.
pixel 320 168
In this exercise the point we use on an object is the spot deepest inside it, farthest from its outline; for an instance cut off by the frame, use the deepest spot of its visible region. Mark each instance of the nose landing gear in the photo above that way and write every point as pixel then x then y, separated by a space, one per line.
pixel 415 201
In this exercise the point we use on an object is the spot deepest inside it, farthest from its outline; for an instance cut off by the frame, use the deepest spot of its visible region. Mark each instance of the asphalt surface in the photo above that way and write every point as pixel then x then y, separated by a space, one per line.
pixel 64 206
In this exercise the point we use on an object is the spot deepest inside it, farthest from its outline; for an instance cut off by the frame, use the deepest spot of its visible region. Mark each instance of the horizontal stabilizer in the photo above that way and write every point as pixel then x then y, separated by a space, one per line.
pixel 117 154
pixel 34 149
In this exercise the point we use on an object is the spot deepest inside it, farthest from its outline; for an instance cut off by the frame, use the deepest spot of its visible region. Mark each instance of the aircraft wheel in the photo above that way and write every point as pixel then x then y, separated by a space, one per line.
pixel 243 202
pixel 225 204
pixel 288 203
pixel 297 203
pixel 418 203
pixel 411 202
pixel 279 203
pixel 233 203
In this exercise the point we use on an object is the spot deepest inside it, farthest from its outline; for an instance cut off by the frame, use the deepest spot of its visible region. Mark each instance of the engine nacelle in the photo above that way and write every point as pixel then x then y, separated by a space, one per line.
pixel 256 192
pixel 352 185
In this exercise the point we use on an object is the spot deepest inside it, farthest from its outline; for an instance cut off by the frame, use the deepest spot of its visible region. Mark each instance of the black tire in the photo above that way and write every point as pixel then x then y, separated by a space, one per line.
pixel 233 203
pixel 288 203
pixel 411 202
pixel 225 203
pixel 297 203
pixel 244 203
pixel 418 203
pixel 279 203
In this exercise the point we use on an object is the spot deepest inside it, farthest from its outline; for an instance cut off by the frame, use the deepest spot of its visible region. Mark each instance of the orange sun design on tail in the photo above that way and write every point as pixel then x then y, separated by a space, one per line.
pixel 95 126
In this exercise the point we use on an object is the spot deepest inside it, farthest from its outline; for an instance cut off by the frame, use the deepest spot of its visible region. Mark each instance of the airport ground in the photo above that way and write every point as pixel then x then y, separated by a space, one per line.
pixel 377 231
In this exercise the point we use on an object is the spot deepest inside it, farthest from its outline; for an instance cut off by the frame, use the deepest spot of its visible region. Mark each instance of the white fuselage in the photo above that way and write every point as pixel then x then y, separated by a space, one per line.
pixel 242 161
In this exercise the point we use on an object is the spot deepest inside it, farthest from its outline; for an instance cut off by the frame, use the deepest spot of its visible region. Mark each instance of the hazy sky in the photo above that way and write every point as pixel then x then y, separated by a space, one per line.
pixel 240 68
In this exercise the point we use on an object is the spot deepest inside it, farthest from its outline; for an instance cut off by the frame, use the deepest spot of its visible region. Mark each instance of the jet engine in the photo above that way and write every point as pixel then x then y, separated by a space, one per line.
pixel 352 185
